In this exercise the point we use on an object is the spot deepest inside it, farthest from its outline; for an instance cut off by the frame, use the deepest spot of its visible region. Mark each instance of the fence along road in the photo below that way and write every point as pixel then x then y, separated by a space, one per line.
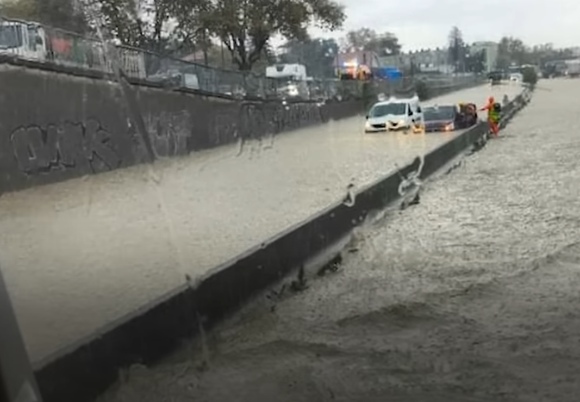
pixel 27 43
pixel 79 254
pixel 32 42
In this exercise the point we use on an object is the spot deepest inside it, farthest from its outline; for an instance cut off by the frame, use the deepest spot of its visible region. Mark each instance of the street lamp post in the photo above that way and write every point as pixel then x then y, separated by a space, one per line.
pixel 17 382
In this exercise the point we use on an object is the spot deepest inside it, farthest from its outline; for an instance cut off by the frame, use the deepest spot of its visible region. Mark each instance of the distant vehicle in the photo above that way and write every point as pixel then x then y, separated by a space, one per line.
pixel 292 89
pixel 291 80
pixel 495 77
pixel 295 72
pixel 31 41
pixel 573 68
pixel 395 114
pixel 448 118
pixel 176 79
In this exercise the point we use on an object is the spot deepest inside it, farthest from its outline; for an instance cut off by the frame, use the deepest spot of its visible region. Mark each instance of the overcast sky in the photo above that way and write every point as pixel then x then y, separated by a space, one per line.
pixel 426 23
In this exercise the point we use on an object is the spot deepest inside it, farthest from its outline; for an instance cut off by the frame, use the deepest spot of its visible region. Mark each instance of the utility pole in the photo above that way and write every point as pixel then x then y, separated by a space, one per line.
pixel 17 381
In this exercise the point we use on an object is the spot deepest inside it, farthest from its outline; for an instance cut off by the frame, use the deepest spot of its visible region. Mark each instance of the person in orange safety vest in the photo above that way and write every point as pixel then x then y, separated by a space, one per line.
pixel 493 115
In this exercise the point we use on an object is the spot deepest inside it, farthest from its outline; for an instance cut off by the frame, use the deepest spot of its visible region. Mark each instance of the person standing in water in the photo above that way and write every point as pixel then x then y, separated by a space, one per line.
pixel 493 115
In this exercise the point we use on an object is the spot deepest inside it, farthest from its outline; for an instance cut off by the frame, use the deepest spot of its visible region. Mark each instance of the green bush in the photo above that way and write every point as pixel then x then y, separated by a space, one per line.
pixel 530 76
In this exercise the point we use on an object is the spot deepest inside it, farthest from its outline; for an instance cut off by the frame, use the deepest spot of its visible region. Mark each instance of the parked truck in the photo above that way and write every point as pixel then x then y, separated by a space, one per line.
pixel 32 41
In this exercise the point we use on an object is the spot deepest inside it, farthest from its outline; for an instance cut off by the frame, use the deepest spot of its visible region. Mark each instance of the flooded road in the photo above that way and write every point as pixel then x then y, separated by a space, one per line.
pixel 79 254
pixel 472 295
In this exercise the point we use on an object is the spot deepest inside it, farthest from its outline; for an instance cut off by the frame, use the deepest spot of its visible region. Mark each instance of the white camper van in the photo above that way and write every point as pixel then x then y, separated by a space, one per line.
pixel 291 79
pixel 31 41
pixel 395 114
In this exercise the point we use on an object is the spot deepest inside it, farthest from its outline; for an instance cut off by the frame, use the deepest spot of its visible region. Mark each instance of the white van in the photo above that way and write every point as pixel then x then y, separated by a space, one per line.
pixel 395 114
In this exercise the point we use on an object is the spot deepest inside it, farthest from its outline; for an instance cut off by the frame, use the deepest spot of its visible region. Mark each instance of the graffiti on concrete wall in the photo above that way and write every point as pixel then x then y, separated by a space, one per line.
pixel 258 120
pixel 224 127
pixel 83 146
pixel 169 132
pixel 253 122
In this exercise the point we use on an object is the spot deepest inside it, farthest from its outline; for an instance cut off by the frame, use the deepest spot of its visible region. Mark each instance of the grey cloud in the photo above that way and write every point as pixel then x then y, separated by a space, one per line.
pixel 426 23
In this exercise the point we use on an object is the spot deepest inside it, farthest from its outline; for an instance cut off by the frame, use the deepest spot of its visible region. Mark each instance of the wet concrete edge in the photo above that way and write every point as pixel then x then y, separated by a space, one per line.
pixel 84 371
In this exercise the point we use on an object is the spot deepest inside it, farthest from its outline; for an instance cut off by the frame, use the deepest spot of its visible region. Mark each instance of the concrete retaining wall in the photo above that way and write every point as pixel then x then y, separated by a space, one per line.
pixel 56 126
pixel 85 370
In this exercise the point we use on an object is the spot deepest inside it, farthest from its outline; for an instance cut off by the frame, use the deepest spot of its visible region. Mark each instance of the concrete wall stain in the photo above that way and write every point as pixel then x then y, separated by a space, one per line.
pixel 84 146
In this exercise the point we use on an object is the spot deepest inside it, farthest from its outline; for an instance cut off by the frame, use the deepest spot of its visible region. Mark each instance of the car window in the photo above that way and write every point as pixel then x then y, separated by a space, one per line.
pixel 384 109
pixel 439 113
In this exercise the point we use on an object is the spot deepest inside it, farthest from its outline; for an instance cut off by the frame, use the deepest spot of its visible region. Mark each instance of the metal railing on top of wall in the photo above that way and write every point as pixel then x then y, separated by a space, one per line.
pixel 56 47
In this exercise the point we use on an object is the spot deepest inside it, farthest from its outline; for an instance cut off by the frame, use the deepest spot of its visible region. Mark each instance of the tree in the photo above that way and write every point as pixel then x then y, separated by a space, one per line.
pixel 316 54
pixel 359 39
pixel 530 76
pixel 366 39
pixel 385 44
pixel 517 51
pixel 162 26
pixel 475 62
pixel 245 27
pixel 540 55
pixel 512 51
pixel 20 9
pixel 457 47
pixel 64 14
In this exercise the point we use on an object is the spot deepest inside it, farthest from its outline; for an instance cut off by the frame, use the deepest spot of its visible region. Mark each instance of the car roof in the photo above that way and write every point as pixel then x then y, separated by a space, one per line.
pixel 390 101
pixel 440 106
pixel 397 100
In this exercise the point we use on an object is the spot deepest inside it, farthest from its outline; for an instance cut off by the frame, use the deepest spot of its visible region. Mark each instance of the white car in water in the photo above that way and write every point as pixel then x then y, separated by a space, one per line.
pixel 395 114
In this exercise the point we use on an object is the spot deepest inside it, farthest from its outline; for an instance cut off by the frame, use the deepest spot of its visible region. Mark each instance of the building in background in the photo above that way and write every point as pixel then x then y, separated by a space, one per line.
pixel 421 61
pixel 490 51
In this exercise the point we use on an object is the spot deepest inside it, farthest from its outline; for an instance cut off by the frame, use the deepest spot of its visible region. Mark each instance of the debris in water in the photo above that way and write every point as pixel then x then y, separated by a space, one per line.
pixel 416 200
pixel 241 145
pixel 299 284
pixel 350 199
pixel 332 266
pixel 412 180
pixel 505 100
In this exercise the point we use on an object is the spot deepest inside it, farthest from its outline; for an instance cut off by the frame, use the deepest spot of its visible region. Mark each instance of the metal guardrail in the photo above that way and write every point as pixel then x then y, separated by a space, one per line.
pixel 38 43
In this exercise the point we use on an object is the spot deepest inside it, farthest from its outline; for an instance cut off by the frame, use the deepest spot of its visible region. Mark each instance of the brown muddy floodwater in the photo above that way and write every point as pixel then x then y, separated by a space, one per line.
pixel 472 295
pixel 80 254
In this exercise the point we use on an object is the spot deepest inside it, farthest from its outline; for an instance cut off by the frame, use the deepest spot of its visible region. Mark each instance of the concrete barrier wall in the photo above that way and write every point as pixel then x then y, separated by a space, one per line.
pixel 56 126
pixel 85 370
